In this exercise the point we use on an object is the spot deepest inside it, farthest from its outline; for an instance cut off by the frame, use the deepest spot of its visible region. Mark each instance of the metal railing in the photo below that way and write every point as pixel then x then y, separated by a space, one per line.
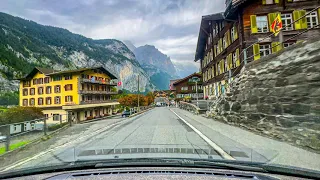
pixel 97 81
pixel 31 130
pixel 96 92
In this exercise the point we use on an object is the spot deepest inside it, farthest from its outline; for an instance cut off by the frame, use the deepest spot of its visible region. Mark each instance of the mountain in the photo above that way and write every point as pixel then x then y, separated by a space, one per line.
pixel 129 45
pixel 185 69
pixel 25 44
pixel 156 64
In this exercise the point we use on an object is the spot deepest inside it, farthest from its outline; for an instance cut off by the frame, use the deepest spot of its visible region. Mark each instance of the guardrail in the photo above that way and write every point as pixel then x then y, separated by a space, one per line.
pixel 189 107
pixel 97 81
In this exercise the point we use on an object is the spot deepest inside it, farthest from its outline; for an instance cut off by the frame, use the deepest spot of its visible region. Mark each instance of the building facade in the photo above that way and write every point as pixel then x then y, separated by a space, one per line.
pixel 186 87
pixel 83 93
pixel 242 34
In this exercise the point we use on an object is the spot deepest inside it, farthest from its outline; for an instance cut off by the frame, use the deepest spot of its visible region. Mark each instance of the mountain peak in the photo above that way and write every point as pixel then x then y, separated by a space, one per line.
pixel 129 45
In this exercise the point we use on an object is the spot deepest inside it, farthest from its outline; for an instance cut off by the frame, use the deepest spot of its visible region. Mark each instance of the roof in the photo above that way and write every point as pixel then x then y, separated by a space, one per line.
pixel 232 6
pixel 204 28
pixel 183 79
pixel 50 72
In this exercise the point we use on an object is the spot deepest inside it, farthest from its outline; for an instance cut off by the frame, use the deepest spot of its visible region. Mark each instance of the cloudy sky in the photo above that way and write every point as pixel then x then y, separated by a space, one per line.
pixel 171 25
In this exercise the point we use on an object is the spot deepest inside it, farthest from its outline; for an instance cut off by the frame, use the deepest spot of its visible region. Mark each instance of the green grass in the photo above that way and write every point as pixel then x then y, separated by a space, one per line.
pixel 13 146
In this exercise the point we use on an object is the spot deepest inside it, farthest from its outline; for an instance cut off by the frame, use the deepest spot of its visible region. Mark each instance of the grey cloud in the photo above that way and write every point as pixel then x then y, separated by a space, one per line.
pixel 140 21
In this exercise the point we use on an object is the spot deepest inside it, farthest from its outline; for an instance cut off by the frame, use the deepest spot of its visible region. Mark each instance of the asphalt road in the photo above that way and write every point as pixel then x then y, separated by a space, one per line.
pixel 165 132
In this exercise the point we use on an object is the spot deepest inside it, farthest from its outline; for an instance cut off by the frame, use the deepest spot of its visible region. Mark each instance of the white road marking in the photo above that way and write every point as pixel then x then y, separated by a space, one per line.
pixel 224 154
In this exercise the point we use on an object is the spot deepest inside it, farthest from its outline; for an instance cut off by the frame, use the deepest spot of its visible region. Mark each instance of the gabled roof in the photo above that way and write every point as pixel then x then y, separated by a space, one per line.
pixel 191 75
pixel 50 72
pixel 233 6
pixel 204 28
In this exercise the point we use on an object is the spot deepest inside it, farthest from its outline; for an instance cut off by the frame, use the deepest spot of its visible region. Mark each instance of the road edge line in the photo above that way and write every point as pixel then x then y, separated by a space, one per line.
pixel 217 148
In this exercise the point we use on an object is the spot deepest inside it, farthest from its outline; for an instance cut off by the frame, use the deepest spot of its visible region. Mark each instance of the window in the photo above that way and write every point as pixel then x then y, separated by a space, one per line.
pixel 56 117
pixel 34 81
pixel 40 90
pixel 68 98
pixel 25 92
pixel 224 42
pixel 285 45
pixel 234 60
pixel 57 100
pixel 40 101
pixel 46 80
pixel 286 21
pixel 232 34
pixel 57 78
pixel 40 81
pixel 268 1
pixel 32 102
pixel 265 50
pixel 185 88
pixel 312 19
pixel 57 89
pixel 68 87
pixel 32 91
pixel 48 90
pixel 262 24
pixel 25 102
pixel 85 114
pixel 26 83
pixel 68 77
pixel 48 100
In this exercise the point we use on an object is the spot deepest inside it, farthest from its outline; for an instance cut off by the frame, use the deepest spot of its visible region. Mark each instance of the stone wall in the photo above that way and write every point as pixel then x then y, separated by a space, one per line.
pixel 278 96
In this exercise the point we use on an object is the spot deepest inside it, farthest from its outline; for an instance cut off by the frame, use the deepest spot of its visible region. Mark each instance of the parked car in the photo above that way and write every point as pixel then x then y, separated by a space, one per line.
pixel 3 138
pixel 125 113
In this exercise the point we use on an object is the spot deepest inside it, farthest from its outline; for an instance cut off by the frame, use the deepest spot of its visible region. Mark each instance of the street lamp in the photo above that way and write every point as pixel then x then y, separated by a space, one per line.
pixel 196 80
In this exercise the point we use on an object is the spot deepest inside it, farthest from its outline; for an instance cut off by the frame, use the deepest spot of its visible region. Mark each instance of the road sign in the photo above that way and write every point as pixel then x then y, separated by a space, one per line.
pixel 119 83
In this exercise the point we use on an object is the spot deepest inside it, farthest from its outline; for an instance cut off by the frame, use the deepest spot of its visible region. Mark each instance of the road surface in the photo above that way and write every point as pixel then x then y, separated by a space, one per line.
pixel 165 132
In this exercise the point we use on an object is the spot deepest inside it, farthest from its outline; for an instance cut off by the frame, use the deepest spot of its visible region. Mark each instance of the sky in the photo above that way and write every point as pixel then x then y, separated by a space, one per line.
pixel 172 26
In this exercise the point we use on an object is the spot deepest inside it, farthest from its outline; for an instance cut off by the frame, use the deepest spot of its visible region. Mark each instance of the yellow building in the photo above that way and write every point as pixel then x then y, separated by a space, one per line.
pixel 83 93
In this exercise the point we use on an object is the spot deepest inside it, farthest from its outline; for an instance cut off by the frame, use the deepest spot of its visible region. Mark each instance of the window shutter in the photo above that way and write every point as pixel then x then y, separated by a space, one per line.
pixel 264 1
pixel 289 0
pixel 276 1
pixel 296 15
pixel 235 32
pixel 71 87
pixel 65 99
pixel 256 51
pixel 276 48
pixel 71 98
pixel 271 17
pixel 228 38
pixel 254 28
pixel 303 21
pixel 238 57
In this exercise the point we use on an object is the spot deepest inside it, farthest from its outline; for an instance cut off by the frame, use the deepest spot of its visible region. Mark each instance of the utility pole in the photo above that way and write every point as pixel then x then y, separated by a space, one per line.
pixel 138 92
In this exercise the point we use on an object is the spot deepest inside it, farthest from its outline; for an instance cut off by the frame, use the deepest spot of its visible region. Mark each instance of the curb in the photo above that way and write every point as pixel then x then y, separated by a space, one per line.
pixel 140 112
pixel 98 119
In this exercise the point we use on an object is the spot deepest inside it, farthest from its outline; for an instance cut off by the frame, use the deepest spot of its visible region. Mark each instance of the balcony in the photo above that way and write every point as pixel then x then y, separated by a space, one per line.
pixel 97 101
pixel 84 80
pixel 97 92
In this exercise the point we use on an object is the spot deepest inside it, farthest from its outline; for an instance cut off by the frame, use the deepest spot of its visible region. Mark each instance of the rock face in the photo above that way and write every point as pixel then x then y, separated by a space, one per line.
pixel 278 96
pixel 25 44
pixel 157 65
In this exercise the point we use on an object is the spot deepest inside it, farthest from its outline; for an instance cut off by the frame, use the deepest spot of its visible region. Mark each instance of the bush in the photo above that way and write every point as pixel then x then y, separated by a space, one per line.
pixel 20 114
pixel 56 126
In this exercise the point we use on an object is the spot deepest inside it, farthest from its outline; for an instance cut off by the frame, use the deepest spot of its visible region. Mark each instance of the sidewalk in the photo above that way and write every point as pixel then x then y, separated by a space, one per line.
pixel 232 138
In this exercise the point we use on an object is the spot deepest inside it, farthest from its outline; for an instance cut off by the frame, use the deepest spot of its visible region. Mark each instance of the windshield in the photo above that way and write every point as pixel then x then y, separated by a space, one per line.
pixel 227 81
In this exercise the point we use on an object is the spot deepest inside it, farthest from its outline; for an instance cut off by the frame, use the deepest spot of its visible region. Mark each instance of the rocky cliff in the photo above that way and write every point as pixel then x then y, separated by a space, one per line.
pixel 278 96
pixel 25 44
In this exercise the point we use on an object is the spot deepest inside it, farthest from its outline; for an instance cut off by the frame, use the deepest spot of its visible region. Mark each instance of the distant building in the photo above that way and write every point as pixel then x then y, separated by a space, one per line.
pixel 84 93
pixel 186 87
pixel 224 36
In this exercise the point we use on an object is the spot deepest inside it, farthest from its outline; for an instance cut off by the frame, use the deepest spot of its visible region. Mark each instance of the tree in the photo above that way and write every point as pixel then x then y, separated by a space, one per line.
pixel 20 114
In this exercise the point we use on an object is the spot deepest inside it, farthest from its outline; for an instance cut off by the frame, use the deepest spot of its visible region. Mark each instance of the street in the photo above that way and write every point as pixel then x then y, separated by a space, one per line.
pixel 168 132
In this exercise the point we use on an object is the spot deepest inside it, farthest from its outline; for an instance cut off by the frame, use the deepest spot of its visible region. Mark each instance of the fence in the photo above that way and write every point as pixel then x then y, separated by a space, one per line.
pixel 251 58
pixel 17 134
